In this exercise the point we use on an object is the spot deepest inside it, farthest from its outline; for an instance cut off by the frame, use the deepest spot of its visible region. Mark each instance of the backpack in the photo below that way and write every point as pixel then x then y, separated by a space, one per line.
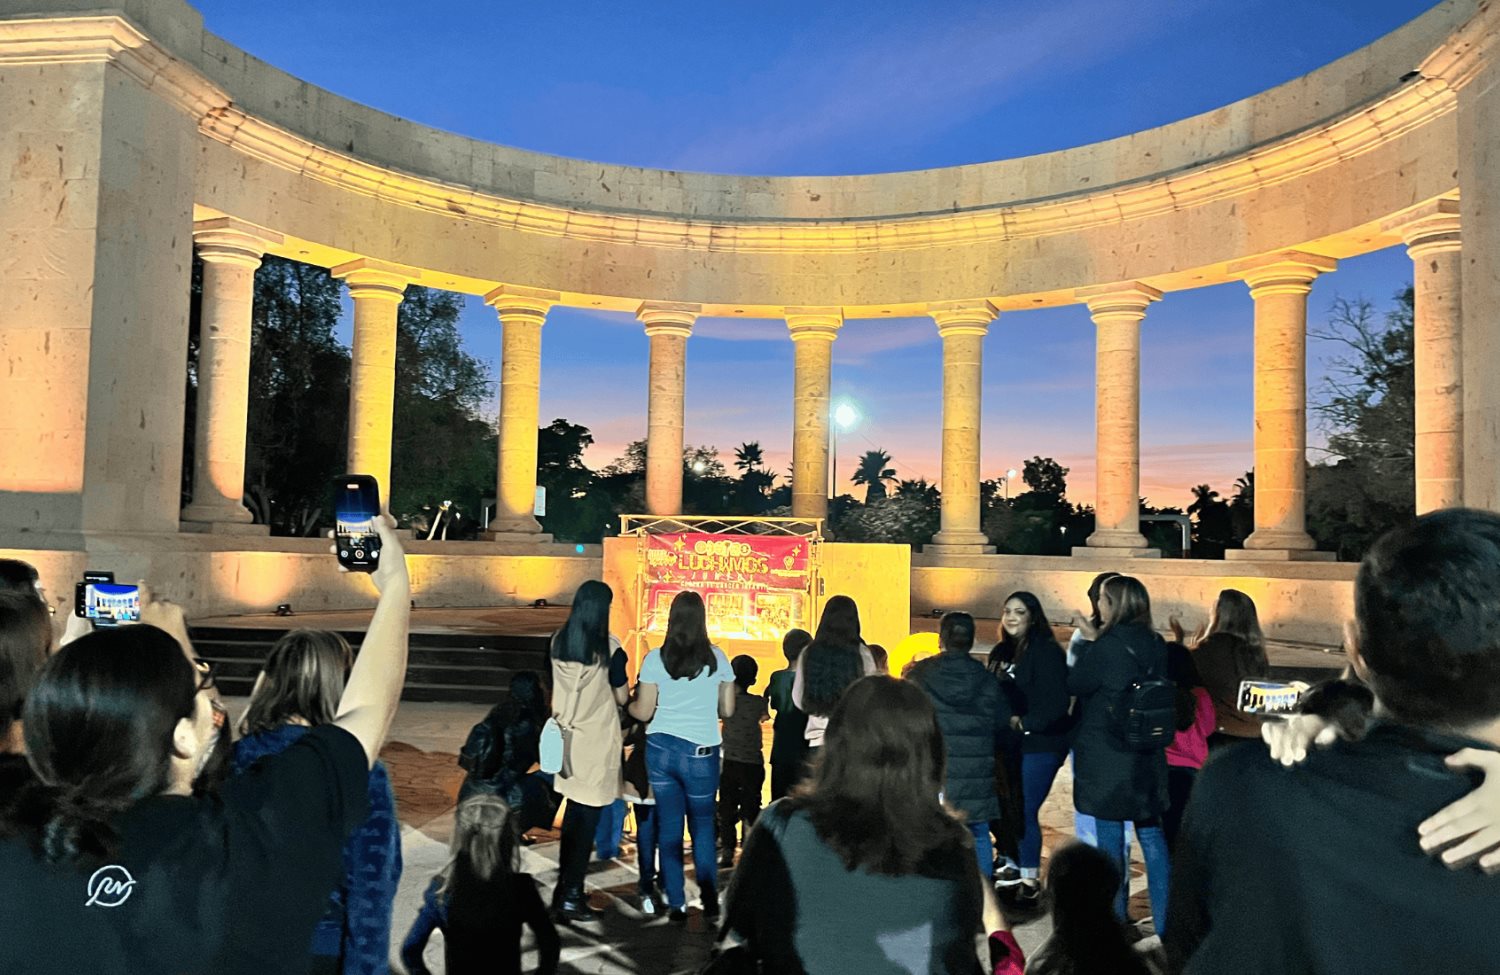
pixel 1146 715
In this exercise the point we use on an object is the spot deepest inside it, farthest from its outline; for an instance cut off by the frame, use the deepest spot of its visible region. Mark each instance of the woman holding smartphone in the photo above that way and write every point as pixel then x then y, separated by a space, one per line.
pixel 126 869
pixel 685 687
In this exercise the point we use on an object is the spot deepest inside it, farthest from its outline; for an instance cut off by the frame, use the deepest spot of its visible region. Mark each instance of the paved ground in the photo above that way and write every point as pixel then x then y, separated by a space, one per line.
pixel 421 755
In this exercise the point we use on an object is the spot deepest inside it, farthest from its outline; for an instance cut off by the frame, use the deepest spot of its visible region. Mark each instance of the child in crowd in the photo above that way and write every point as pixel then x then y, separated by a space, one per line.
pixel 744 766
pixel 1087 938
pixel 789 733
pixel 480 900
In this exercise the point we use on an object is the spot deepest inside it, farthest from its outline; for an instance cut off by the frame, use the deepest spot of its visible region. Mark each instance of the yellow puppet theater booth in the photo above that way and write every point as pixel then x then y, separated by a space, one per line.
pixel 759 577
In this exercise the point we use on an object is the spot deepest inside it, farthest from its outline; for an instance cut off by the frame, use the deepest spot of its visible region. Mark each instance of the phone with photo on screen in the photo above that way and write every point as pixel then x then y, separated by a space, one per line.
pixel 356 505
pixel 1270 697
pixel 104 602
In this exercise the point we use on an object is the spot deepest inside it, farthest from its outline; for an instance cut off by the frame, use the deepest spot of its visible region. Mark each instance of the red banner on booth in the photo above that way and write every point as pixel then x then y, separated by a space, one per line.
pixel 755 587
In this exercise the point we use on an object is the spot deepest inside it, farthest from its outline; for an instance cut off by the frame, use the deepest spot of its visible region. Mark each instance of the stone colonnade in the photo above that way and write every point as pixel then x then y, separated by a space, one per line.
pixel 1278 284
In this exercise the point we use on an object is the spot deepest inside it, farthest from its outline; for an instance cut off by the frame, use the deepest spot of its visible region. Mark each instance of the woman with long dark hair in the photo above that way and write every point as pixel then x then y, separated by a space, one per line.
pixel 124 869
pixel 1028 654
pixel 1087 938
pixel 1116 782
pixel 881 874
pixel 298 689
pixel 584 705
pixel 481 900
pixel 1231 650
pixel 685 686
pixel 836 658
pixel 502 750
pixel 25 641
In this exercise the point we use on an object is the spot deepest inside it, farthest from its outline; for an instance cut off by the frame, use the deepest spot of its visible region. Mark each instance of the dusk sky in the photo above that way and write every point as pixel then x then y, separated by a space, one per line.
pixel 855 86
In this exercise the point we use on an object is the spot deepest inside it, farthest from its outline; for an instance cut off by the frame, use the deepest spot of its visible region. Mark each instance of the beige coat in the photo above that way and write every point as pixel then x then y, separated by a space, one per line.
pixel 584 707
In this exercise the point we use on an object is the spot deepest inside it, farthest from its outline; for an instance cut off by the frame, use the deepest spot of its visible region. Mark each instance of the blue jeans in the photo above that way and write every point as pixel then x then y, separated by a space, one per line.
pixel 646 846
pixel 984 849
pixel 684 779
pixel 1038 769
pixel 1158 864
pixel 611 825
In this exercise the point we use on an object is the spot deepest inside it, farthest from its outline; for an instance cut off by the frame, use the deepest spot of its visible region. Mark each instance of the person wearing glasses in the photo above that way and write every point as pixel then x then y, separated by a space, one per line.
pixel 119 867
pixel 298 689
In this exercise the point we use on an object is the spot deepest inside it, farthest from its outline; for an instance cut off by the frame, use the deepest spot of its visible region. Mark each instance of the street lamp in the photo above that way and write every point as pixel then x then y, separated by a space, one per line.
pixel 1010 475
pixel 844 417
pixel 699 467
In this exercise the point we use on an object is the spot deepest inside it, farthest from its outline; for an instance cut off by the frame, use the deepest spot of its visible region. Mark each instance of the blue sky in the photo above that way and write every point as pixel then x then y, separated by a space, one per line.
pixel 848 86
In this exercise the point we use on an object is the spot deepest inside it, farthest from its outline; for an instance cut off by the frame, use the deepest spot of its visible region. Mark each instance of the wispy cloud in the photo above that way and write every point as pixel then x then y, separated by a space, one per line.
pixel 930 71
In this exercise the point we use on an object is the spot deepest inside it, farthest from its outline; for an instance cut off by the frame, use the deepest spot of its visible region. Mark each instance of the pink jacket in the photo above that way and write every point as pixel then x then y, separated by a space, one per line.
pixel 1190 748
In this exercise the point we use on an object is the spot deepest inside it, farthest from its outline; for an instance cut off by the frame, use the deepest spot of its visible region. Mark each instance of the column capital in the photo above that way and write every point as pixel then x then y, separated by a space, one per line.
pixel 514 302
pixel 1286 272
pixel 368 278
pixel 1123 299
pixel 668 317
pixel 227 240
pixel 814 322
pixel 1430 228
pixel 962 317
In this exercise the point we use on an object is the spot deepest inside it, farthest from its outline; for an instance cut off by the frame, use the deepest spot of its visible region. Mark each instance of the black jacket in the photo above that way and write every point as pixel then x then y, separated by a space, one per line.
pixel 1041 699
pixel 972 713
pixel 1112 780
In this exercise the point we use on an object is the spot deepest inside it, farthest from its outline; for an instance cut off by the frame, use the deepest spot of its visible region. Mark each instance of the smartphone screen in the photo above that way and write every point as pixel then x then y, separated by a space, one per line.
pixel 1270 697
pixel 356 505
pixel 108 603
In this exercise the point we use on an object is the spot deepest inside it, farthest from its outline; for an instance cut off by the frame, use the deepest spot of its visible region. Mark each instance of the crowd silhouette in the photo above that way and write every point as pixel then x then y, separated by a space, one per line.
pixel 145 829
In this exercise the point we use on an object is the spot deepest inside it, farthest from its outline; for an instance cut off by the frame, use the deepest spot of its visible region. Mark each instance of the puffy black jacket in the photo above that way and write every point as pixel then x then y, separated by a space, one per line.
pixel 1112 780
pixel 972 714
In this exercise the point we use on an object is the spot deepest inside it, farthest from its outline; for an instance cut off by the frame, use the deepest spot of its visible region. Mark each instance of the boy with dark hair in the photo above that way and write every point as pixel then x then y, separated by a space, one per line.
pixel 971 711
pixel 789 733
pixel 1318 868
pixel 744 768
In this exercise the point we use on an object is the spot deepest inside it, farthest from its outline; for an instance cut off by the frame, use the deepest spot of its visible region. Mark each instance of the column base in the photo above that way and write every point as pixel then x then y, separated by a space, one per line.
pixel 1113 552
pixel 1278 555
pixel 222 528
pixel 959 543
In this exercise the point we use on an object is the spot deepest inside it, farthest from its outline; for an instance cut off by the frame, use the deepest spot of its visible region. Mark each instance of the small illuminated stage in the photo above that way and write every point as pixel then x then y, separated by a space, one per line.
pixel 468 654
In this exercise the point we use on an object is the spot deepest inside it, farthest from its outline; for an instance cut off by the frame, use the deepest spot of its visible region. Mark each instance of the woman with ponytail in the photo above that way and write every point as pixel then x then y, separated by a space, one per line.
pixel 113 862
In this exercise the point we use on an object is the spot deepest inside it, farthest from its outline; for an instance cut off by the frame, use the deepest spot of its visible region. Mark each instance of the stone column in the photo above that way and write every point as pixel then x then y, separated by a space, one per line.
pixel 231 251
pixel 1117 310
pixel 813 331
pixel 377 289
pixel 668 326
pixel 1432 239
pixel 522 312
pixel 1467 63
pixel 962 325
pixel 1279 284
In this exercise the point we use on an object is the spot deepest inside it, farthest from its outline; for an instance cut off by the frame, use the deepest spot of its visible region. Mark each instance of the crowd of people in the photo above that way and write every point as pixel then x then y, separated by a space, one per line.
pixel 145 829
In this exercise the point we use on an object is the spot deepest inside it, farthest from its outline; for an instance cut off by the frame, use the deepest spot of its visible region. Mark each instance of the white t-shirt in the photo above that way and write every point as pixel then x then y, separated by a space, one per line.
pixel 687 707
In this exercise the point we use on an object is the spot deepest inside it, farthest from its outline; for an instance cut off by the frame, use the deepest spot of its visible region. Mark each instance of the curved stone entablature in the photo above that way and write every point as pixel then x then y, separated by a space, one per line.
pixel 1319 164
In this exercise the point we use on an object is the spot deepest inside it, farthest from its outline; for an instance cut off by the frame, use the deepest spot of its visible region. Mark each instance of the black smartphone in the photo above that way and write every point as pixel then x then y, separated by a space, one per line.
pixel 356 505
pixel 100 599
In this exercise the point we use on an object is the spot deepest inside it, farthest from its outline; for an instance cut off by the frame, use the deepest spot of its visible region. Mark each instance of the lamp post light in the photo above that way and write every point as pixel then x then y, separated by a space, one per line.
pixel 1010 475
pixel 844 417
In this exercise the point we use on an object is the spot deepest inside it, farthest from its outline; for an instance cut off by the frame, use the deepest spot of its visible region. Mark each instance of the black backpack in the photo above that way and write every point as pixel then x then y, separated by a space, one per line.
pixel 1146 715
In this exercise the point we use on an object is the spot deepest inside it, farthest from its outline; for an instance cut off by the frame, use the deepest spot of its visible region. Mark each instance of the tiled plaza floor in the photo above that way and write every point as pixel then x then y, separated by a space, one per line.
pixel 422 758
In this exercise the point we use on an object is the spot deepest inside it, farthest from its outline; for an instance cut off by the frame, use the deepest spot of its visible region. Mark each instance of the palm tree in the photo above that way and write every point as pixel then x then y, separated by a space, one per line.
pixel 873 473
pixel 1203 496
pixel 748 457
